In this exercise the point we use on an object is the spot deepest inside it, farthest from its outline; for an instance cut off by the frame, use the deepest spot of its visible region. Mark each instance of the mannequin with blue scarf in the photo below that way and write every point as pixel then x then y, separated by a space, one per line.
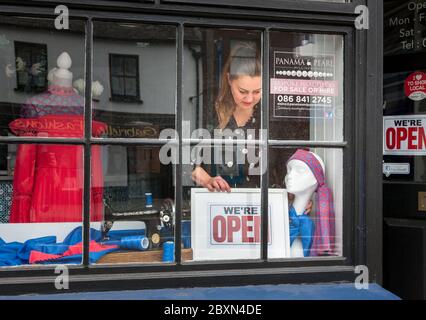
pixel 301 182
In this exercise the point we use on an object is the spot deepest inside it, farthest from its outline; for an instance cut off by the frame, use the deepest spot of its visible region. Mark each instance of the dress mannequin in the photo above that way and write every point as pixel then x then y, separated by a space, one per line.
pixel 48 178
pixel 305 175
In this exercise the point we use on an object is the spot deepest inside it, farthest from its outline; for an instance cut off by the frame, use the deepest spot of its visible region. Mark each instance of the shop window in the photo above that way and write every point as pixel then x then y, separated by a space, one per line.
pixel 124 73
pixel 139 189
pixel 303 226
pixel 42 91
pixel 41 185
pixel 138 195
pixel 41 207
pixel 306 87
pixel 151 48
pixel 305 103
pixel 31 66
pixel 133 215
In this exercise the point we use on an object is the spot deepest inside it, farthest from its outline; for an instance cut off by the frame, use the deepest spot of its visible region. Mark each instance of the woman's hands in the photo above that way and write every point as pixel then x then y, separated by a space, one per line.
pixel 217 184
pixel 202 178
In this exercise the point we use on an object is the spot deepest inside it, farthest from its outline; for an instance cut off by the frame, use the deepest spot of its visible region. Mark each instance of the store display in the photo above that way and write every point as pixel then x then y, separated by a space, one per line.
pixel 46 250
pixel 154 218
pixel 305 175
pixel 48 179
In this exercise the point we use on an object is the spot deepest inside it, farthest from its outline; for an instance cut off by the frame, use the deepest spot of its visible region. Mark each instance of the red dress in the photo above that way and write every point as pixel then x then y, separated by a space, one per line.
pixel 48 179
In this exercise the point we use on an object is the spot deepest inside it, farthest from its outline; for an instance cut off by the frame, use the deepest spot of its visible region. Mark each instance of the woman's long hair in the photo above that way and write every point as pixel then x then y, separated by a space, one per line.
pixel 244 60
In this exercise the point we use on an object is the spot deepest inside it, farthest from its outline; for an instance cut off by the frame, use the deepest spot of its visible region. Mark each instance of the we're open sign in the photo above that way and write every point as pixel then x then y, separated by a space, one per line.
pixel 404 135
pixel 226 226
pixel 235 224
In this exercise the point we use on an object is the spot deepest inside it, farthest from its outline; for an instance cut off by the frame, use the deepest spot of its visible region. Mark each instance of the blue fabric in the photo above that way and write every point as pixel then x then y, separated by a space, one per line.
pixel 16 253
pixel 77 258
pixel 302 226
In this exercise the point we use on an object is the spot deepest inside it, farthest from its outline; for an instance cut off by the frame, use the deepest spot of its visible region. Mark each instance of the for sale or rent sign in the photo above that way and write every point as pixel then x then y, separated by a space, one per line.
pixel 404 135
pixel 226 226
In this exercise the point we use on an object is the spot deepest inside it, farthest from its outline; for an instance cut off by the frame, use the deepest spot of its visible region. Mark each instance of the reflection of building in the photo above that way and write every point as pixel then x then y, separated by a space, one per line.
pixel 157 74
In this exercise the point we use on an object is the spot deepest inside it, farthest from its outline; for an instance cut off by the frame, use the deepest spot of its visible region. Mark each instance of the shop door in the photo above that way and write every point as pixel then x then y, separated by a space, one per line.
pixel 404 160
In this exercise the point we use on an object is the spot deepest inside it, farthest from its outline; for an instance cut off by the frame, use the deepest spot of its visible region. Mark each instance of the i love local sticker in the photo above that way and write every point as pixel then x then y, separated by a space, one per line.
pixel 415 86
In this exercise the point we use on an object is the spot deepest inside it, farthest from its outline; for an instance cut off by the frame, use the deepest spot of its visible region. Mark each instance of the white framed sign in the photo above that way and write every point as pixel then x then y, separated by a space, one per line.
pixel 404 135
pixel 226 226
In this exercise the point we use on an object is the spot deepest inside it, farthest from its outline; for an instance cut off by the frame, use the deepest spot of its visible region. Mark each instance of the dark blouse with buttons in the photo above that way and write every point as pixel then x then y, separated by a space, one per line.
pixel 236 171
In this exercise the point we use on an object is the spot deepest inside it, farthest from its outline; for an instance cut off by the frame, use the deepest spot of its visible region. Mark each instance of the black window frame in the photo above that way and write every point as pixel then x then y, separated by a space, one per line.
pixel 125 97
pixel 363 148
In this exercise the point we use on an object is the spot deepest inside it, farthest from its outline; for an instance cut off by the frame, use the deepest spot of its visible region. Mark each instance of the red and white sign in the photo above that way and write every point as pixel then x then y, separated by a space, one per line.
pixel 415 86
pixel 227 226
pixel 304 87
pixel 236 224
pixel 404 135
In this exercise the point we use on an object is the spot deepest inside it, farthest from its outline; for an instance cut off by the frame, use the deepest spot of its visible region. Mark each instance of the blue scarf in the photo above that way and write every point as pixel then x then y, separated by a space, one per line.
pixel 302 226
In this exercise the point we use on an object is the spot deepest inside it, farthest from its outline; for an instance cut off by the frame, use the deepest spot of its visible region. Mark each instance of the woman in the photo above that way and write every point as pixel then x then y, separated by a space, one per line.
pixel 236 109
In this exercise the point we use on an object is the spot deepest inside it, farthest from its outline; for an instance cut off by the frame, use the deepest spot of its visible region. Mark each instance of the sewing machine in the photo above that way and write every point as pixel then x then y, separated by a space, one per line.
pixel 154 219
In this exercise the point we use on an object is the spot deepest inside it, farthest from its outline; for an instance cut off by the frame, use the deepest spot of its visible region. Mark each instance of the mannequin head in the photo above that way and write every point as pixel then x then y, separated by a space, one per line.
pixel 61 76
pixel 300 178
pixel 306 175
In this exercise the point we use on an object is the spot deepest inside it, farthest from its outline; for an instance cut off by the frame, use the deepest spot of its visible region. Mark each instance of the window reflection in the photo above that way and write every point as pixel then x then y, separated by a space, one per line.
pixel 139 206
pixel 306 95
pixel 135 66
pixel 313 180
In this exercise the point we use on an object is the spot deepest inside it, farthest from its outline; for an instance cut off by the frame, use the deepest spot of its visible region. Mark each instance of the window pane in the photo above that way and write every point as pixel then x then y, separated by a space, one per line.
pixel 130 66
pixel 306 87
pixel 130 84
pixel 223 225
pixel 138 196
pixel 140 103
pixel 117 84
pixel 210 55
pixel 41 203
pixel 34 56
pixel 31 88
pixel 319 232
pixel 117 65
